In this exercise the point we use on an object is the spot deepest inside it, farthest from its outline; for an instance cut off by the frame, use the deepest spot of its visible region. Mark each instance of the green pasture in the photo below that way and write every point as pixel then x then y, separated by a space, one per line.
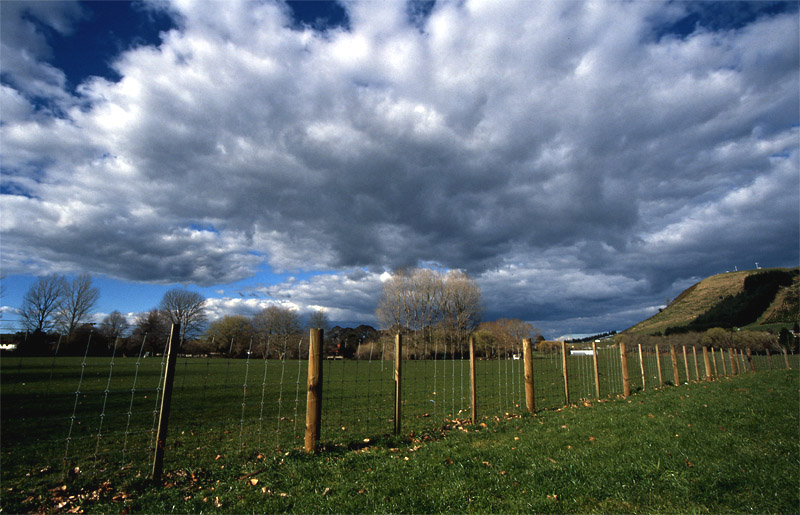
pixel 70 419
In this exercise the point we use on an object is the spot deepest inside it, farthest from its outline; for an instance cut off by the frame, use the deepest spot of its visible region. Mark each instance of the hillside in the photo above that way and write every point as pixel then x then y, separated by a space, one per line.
pixel 700 298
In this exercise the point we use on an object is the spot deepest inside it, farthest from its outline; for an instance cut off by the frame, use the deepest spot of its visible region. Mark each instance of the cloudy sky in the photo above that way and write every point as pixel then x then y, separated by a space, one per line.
pixel 583 161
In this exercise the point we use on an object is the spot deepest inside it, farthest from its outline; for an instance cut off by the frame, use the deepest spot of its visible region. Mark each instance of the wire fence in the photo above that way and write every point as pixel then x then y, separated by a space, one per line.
pixel 83 414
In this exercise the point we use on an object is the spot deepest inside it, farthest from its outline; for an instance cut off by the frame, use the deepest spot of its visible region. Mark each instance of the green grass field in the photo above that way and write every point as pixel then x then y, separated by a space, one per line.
pixel 247 415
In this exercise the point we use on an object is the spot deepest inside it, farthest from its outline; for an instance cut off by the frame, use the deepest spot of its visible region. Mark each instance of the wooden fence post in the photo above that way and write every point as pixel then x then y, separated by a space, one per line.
pixel 696 368
pixel 641 366
pixel 314 396
pixel 166 401
pixel 786 358
pixel 714 362
pixel 673 354
pixel 686 365
pixel 596 370
pixel 734 368
pixel 564 368
pixel 658 363
pixel 707 363
pixel 473 390
pixel 722 359
pixel 527 356
pixel 740 361
pixel 626 379
pixel 398 353
pixel 750 359
pixel 769 358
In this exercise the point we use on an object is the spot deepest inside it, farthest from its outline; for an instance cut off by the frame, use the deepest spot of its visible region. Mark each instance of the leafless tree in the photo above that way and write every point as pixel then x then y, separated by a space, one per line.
pixel 427 302
pixel 273 325
pixel 79 301
pixel 277 320
pixel 42 302
pixel 461 303
pixel 114 325
pixel 187 308
pixel 318 320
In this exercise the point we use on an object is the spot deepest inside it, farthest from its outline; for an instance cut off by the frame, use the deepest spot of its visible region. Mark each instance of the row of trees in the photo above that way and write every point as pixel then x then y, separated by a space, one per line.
pixel 54 304
pixel 717 337
pixel 272 332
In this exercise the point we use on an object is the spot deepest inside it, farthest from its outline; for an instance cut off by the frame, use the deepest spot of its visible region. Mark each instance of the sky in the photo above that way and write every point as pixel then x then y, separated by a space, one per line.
pixel 584 162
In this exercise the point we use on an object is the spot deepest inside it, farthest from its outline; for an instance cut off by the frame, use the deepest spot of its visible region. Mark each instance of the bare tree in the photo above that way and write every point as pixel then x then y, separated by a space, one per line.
pixel 114 325
pixel 79 300
pixel 42 302
pixel 425 301
pixel 187 308
pixel 318 320
pixel 277 320
pixel 461 303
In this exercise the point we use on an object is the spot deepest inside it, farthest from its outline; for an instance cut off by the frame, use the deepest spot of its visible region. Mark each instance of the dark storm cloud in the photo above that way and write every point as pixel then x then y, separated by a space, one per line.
pixel 573 157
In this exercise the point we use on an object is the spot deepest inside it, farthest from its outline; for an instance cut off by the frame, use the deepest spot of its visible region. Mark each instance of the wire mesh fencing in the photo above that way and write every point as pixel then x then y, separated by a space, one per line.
pixel 90 414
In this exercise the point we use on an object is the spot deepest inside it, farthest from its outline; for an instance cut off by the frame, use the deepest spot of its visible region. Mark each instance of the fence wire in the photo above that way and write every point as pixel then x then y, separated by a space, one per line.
pixel 91 414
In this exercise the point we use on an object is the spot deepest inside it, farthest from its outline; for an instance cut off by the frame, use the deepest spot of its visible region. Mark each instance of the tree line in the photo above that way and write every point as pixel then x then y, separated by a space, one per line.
pixel 434 309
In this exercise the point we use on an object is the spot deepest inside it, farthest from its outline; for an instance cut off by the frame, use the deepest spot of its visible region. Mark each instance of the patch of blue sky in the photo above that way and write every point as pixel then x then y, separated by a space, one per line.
pixel 257 284
pixel 320 15
pixel 721 16
pixel 106 30
pixel 418 12
pixel 203 227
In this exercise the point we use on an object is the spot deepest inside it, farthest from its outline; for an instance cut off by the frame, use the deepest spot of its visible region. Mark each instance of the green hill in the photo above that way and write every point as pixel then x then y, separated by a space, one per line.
pixel 752 298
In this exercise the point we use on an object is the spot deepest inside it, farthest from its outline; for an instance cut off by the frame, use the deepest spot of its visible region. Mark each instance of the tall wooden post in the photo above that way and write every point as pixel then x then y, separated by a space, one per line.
pixel 786 358
pixel 596 370
pixel 658 363
pixel 473 390
pixel 166 401
pixel 626 379
pixel 398 391
pixel 707 363
pixel 769 359
pixel 696 368
pixel 673 354
pixel 314 396
pixel 714 362
pixel 564 368
pixel 740 362
pixel 527 356
pixel 734 368
pixel 722 359
pixel 686 365
pixel 641 366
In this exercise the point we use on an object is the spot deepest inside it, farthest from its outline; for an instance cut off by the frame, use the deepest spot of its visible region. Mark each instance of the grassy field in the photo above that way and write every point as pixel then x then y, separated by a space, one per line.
pixel 231 417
